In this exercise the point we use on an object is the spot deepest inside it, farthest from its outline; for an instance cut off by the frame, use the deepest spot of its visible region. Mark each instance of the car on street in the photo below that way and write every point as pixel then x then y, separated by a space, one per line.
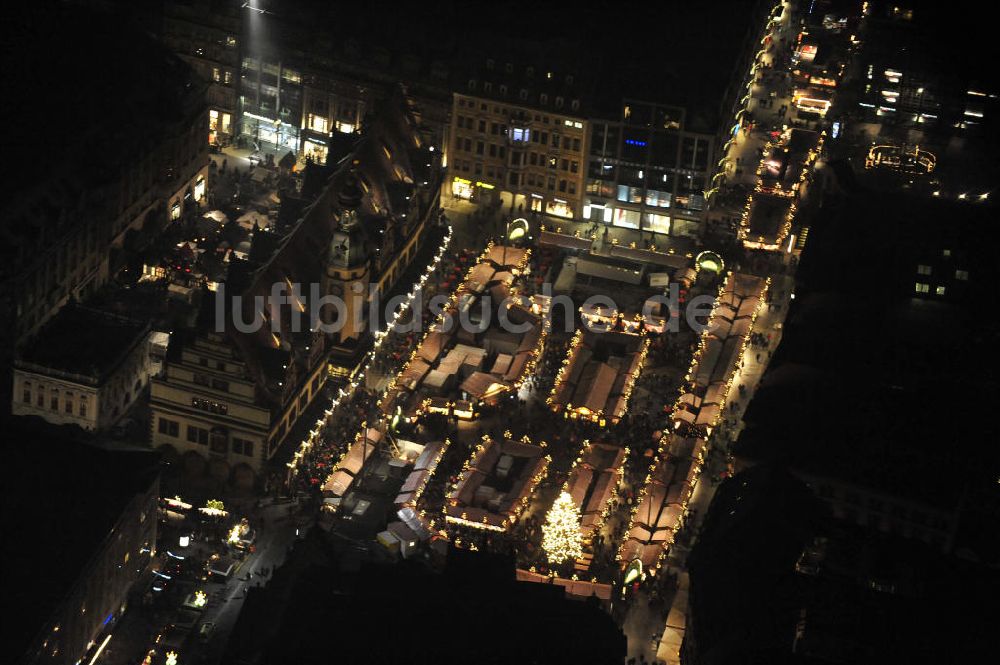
pixel 205 631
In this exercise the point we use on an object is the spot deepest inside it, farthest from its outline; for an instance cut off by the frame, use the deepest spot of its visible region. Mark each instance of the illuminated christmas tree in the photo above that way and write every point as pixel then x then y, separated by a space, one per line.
pixel 561 537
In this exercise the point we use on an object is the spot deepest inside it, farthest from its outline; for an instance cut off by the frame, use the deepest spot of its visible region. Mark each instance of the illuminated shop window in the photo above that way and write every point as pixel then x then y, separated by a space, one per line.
pixel 657 223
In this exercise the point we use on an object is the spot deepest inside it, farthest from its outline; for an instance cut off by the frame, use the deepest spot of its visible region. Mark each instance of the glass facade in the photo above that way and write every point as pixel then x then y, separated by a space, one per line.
pixel 644 164
pixel 271 104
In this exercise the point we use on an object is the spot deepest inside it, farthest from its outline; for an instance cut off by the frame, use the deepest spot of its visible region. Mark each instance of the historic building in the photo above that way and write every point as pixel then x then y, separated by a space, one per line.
pixel 207 34
pixel 84 367
pixel 127 158
pixel 99 532
pixel 518 137
pixel 233 390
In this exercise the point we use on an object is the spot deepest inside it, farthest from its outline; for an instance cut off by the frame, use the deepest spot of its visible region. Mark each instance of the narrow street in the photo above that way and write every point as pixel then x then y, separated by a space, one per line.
pixel 654 631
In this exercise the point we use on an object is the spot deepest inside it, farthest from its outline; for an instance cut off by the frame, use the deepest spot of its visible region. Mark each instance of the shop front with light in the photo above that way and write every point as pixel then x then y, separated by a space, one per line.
pixel 315 149
pixel 627 218
pixel 199 188
pixel 812 100
pixel 220 125
pixel 656 223
pixel 278 133
pixel 559 208
pixel 462 188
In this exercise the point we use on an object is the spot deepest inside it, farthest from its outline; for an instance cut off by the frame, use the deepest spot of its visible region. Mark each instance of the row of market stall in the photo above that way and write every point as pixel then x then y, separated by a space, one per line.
pixel 659 512
pixel 482 346
pixel 784 167
pixel 496 483
pixel 598 374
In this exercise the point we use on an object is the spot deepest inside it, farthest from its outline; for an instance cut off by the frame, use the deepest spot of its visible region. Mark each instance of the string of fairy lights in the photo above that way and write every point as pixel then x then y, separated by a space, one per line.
pixel 566 368
pixel 726 296
pixel 760 242
pixel 513 514
pixel 451 310
pixel 345 394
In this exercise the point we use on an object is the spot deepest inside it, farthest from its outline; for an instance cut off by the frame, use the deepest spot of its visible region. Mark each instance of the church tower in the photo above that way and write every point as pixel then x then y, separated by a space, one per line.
pixel 348 266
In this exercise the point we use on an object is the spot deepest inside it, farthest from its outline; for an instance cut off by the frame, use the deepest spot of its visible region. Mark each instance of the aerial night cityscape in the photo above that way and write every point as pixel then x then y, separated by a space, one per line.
pixel 654 333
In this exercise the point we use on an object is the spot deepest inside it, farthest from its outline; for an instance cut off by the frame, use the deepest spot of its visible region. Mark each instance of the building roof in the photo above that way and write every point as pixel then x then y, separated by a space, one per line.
pixel 870 384
pixel 57 509
pixel 83 341
pixel 118 93
pixel 354 223
pixel 657 54
pixel 475 612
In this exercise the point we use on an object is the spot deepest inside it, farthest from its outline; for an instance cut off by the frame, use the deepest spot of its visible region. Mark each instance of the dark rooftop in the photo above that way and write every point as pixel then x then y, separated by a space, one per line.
pixel 61 498
pixel 870 384
pixel 84 341
pixel 475 612
pixel 101 94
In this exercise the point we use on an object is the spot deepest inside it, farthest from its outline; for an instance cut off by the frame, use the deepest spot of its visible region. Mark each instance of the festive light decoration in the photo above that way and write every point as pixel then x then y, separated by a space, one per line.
pixel 510 517
pixel 588 532
pixel 451 313
pixel 343 396
pixel 573 356
pixel 214 508
pixel 200 599
pixel 660 469
pixel 561 537
pixel 238 531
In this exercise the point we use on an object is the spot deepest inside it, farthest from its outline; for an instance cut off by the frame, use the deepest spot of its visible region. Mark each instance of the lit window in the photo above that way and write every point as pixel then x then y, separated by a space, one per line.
pixel 962 275
pixel 939 290
pixel 923 288
pixel 923 270
pixel 945 253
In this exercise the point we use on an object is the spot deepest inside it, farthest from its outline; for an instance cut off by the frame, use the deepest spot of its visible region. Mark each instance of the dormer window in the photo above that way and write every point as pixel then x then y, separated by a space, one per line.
pixel 490 63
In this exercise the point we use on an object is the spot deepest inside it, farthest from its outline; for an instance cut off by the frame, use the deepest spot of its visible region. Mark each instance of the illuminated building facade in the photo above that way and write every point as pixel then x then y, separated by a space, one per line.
pixel 908 75
pixel 92 391
pixel 518 137
pixel 646 171
pixel 330 105
pixel 270 102
pixel 228 398
pixel 207 36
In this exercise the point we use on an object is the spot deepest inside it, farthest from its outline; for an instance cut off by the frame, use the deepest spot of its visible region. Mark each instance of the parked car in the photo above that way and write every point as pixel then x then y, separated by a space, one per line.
pixel 205 631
